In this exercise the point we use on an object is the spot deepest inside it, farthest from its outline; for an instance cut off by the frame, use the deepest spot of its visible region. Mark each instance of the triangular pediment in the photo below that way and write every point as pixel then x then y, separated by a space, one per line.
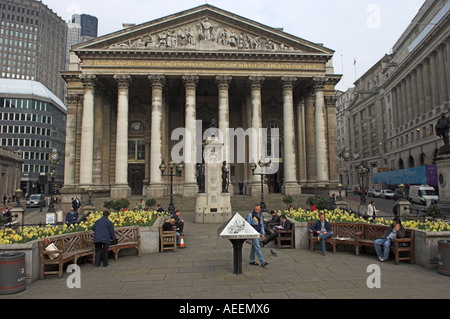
pixel 205 28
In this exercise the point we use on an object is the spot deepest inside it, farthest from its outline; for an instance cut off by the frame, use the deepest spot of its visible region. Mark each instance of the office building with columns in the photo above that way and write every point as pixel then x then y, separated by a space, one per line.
pixel 390 116
pixel 129 92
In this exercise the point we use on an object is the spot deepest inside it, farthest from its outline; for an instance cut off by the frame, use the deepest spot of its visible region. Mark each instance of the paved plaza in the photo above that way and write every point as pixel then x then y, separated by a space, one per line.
pixel 204 270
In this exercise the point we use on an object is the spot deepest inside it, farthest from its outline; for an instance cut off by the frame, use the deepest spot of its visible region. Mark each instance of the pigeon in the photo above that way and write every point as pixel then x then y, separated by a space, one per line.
pixel 273 253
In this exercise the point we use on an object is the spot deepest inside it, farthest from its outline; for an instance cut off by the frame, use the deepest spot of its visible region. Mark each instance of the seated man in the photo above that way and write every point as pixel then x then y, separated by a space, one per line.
pixel 169 225
pixel 275 221
pixel 322 229
pixel 179 223
pixel 285 224
pixel 396 230
pixel 71 217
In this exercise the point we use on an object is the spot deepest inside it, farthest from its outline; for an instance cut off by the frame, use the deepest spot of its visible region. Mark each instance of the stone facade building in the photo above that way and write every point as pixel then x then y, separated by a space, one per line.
pixel 129 92
pixel 391 113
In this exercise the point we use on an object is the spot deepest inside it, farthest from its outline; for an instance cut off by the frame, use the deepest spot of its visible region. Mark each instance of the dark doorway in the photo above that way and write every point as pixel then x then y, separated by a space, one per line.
pixel 136 175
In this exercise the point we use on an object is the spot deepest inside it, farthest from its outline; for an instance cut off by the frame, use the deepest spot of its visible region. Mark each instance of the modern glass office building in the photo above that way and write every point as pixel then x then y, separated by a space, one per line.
pixel 33 121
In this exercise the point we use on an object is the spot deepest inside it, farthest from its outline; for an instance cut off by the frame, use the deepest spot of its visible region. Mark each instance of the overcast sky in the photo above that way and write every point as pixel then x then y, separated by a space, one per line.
pixel 364 30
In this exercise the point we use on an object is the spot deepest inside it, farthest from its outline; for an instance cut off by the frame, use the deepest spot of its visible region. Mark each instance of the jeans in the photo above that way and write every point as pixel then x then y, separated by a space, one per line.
pixel 101 254
pixel 387 246
pixel 256 249
pixel 322 242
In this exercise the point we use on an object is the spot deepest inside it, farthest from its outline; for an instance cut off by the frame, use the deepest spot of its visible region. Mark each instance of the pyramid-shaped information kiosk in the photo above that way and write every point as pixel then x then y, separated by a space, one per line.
pixel 237 230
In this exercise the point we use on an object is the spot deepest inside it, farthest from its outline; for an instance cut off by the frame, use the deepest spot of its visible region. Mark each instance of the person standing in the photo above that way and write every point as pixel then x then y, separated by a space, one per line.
pixel 103 235
pixel 256 221
pixel 371 212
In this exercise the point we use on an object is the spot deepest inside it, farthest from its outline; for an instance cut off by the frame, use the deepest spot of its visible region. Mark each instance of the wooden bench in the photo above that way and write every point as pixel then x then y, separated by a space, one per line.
pixel 70 248
pixel 400 246
pixel 168 240
pixel 364 235
pixel 344 233
pixel 286 236
pixel 73 246
pixel 128 237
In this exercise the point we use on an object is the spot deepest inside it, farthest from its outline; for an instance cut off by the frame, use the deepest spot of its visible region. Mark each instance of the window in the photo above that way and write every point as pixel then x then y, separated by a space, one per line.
pixel 136 150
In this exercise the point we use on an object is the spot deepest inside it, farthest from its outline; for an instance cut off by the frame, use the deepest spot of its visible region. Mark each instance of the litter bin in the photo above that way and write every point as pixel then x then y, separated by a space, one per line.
pixel 444 257
pixel 12 273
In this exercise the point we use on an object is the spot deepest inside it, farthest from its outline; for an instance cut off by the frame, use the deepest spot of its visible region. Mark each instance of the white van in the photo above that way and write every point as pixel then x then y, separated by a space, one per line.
pixel 423 194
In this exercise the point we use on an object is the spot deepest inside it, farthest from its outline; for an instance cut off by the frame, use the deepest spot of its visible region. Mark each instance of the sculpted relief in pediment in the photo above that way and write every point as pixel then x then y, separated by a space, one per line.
pixel 202 35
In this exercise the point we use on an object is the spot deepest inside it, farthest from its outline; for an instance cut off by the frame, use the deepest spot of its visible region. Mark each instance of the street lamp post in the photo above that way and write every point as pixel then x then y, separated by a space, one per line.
pixel 262 174
pixel 179 170
pixel 362 171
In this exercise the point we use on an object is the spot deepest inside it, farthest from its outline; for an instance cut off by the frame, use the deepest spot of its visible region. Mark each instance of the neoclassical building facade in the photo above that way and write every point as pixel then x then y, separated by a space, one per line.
pixel 129 92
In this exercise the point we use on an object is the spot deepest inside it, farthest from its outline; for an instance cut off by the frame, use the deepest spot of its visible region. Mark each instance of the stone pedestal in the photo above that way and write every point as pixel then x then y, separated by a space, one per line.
pixel 118 192
pixel 404 208
pixel 443 172
pixel 213 206
pixel 341 204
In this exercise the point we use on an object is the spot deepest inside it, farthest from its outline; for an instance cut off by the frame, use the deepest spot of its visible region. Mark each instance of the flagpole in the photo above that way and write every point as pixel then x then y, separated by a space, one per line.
pixel 354 63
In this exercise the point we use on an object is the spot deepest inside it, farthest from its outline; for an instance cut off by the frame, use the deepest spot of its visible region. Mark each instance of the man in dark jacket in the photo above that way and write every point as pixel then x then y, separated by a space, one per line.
pixel 285 224
pixel 103 234
pixel 322 229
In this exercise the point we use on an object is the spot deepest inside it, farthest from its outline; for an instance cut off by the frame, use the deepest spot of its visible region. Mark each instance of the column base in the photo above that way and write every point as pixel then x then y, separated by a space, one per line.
pixel 255 189
pixel 120 191
pixel 156 191
pixel 291 189
pixel 190 190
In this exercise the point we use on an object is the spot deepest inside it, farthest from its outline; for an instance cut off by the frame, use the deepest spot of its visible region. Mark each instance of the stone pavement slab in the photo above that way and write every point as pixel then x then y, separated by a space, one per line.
pixel 203 270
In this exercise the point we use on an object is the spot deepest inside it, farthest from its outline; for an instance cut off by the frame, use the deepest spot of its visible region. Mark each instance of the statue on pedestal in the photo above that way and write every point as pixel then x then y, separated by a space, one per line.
pixel 201 178
pixel 442 128
pixel 225 178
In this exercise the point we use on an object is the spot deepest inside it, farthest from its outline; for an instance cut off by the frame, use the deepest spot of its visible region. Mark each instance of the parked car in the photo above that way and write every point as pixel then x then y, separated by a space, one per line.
pixel 398 193
pixel 423 195
pixel 36 200
pixel 387 194
pixel 358 191
pixel 374 193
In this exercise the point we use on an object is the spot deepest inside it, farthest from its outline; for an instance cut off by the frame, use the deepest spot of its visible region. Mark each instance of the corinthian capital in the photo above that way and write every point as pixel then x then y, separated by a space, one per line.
pixel 320 82
pixel 288 82
pixel 88 80
pixel 223 81
pixel 190 81
pixel 256 82
pixel 123 80
pixel 157 80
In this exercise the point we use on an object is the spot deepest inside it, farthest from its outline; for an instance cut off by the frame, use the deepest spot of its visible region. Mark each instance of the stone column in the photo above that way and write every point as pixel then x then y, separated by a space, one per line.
pixel 310 139
pixel 71 137
pixel 87 131
pixel 301 143
pixel 321 141
pixel 442 74
pixel 255 83
pixel 420 90
pixel 223 82
pixel 156 187
pixel 121 188
pixel 290 185
pixel 434 80
pixel 427 85
pixel 190 185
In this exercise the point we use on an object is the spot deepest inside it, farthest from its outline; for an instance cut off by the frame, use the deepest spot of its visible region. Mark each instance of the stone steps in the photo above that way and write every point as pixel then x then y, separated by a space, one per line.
pixel 239 203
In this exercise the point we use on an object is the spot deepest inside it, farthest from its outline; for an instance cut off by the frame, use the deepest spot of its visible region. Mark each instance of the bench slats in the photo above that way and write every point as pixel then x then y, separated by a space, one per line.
pixel 362 235
pixel 71 247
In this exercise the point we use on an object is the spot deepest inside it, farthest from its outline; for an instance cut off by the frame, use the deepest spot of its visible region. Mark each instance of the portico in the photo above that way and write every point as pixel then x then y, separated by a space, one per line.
pixel 129 92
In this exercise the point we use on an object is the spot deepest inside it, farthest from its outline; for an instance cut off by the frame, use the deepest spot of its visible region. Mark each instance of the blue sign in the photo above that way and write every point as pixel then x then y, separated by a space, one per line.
pixel 410 176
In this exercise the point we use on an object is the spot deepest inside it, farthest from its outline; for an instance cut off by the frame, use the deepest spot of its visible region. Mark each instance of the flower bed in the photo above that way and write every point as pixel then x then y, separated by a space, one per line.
pixel 127 218
pixel 339 216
